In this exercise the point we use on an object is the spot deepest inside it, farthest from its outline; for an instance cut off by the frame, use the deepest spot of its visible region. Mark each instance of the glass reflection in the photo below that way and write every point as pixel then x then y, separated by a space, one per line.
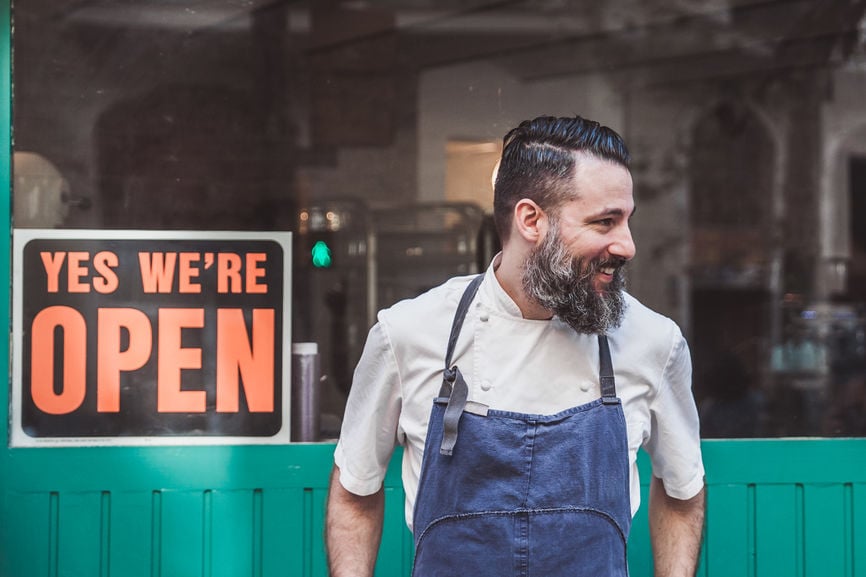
pixel 372 128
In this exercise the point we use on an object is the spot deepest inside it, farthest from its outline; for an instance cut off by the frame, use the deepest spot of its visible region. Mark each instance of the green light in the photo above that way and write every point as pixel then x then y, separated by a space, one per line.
pixel 321 255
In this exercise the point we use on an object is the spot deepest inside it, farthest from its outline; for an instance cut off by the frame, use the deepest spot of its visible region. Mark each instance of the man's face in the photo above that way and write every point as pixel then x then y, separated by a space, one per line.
pixel 576 271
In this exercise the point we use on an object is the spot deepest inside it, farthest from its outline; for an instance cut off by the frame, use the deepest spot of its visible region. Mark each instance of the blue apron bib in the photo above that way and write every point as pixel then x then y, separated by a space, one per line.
pixel 520 494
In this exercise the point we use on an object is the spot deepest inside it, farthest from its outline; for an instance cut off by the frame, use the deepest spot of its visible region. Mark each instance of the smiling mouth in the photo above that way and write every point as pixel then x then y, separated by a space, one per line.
pixel 606 274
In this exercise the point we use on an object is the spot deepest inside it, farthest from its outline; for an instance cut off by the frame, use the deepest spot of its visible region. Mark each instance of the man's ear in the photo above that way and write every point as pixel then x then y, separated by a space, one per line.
pixel 530 222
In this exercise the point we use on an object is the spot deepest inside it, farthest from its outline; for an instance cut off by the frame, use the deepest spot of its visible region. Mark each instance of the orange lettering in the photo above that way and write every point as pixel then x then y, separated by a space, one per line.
pixel 75 272
pixel 104 262
pixel 188 272
pixel 74 360
pixel 173 358
pixel 254 363
pixel 229 273
pixel 111 360
pixel 157 271
pixel 53 263
pixel 254 272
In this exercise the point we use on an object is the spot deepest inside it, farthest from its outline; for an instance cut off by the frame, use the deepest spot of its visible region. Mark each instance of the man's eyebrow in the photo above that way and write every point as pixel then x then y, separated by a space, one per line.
pixel 608 212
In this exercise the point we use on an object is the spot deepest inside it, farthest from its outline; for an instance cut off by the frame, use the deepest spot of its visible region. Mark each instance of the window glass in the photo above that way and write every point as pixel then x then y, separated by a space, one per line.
pixel 371 131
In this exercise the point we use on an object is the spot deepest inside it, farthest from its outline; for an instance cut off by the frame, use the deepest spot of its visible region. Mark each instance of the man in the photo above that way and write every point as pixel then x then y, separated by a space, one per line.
pixel 547 378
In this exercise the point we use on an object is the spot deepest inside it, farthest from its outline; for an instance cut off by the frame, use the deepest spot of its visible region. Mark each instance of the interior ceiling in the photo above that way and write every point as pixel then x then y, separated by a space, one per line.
pixel 534 39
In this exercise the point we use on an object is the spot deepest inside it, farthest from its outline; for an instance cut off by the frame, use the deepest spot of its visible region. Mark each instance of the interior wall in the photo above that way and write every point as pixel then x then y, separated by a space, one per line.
pixel 844 135
pixel 483 101
pixel 469 172
pixel 380 175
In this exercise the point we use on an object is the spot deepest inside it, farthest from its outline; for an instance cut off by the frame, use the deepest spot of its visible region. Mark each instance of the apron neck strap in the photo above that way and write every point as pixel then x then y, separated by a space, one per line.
pixel 453 385
pixel 605 371
pixel 459 316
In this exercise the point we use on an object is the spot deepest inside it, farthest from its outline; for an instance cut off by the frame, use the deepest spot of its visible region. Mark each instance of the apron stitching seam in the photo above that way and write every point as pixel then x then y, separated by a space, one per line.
pixel 514 512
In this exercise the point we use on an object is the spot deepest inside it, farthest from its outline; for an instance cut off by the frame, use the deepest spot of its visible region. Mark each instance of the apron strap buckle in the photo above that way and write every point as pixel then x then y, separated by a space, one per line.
pixel 608 388
pixel 454 410
pixel 448 378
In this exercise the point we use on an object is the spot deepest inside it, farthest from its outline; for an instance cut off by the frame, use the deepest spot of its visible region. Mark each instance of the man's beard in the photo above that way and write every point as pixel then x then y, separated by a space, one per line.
pixel 563 285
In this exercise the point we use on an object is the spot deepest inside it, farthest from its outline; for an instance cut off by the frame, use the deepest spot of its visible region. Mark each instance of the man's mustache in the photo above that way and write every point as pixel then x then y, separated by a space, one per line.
pixel 614 263
pixel 592 267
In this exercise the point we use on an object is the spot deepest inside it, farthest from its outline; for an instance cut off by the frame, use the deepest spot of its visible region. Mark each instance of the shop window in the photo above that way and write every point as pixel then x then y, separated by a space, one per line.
pixel 371 131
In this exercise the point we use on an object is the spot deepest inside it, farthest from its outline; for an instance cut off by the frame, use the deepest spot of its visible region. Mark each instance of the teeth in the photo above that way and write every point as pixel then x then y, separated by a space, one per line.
pixel 608 270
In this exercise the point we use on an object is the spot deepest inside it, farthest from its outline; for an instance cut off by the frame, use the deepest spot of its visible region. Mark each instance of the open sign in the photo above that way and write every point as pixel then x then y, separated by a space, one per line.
pixel 150 337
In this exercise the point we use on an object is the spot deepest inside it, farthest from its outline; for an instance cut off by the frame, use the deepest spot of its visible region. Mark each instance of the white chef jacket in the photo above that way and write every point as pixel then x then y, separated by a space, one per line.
pixel 521 365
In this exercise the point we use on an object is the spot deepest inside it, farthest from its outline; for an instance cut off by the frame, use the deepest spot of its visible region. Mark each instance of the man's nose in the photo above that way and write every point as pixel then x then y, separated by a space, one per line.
pixel 623 245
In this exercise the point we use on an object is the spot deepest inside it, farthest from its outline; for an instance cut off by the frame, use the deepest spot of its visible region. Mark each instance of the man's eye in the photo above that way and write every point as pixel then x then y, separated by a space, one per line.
pixel 605 222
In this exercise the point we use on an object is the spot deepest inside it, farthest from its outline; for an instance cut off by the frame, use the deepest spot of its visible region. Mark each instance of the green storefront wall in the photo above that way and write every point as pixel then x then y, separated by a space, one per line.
pixel 775 507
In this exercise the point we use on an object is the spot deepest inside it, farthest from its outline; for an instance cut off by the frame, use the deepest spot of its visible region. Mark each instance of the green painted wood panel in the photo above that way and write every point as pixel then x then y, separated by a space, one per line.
pixel 826 537
pixel 728 547
pixel 777 542
pixel 283 533
pixel 316 524
pixel 392 551
pixel 180 539
pixel 231 536
pixel 858 528
pixel 134 523
pixel 25 536
pixel 80 534
pixel 639 552
pixel 130 551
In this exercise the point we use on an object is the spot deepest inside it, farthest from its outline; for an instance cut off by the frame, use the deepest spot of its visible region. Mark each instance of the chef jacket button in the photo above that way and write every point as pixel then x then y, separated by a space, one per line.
pixel 485 385
pixel 484 318
pixel 585 387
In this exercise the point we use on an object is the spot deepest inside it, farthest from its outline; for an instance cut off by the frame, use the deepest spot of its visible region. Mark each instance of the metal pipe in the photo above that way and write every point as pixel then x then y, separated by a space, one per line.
pixel 306 409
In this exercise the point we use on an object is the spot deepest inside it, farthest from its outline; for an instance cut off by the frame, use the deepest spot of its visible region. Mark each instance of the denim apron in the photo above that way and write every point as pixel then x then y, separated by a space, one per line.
pixel 520 494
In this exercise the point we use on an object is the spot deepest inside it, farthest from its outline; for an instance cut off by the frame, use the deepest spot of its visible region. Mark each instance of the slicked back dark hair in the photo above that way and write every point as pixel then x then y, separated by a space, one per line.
pixel 538 160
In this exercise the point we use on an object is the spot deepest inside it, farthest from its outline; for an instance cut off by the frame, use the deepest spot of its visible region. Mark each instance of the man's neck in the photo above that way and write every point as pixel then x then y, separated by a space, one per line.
pixel 509 272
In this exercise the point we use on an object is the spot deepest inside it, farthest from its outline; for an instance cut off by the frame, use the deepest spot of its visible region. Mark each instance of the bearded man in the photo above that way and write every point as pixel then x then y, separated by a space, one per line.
pixel 521 396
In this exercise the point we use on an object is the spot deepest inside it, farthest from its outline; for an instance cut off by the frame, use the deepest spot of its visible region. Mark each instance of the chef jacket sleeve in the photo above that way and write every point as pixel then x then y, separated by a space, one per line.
pixel 674 444
pixel 369 430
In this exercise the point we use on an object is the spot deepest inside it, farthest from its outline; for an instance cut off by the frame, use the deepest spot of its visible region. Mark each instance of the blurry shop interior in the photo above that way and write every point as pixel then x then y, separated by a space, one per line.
pixel 370 130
